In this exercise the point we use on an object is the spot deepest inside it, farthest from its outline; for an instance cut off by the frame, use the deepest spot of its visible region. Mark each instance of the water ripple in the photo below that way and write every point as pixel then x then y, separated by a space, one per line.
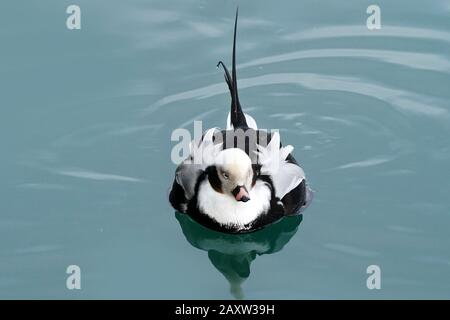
pixel 39 249
pixel 402 100
pixel 206 29
pixel 83 174
pixel 403 229
pixel 197 117
pixel 84 137
pixel 42 186
pixel 426 61
pixel 366 163
pixel 362 31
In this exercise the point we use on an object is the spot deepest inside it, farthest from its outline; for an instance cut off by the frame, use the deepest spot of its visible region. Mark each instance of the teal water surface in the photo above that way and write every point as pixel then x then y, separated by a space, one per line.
pixel 86 123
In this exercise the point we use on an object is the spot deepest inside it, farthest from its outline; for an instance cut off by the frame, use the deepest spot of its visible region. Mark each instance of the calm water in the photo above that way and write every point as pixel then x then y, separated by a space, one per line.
pixel 85 134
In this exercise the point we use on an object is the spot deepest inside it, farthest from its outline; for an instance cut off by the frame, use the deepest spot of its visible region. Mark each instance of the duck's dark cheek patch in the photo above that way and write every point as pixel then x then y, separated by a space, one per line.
pixel 213 178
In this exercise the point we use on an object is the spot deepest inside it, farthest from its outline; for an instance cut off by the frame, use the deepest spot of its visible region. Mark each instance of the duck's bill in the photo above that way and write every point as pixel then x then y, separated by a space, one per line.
pixel 241 194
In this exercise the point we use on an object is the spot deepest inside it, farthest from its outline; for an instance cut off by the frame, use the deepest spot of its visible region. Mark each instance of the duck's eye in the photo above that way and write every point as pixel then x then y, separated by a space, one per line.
pixel 225 175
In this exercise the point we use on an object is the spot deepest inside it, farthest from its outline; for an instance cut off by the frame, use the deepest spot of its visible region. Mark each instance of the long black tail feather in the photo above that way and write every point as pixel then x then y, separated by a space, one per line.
pixel 237 115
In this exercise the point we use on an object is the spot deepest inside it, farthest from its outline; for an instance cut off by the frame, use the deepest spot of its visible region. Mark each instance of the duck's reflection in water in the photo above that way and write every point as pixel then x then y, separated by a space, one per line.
pixel 232 254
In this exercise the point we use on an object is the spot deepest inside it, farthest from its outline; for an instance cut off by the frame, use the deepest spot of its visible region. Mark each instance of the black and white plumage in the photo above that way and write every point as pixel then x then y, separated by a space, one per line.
pixel 239 179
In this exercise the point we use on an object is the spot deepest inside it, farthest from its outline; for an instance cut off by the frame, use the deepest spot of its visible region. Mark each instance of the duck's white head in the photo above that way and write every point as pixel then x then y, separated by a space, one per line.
pixel 234 173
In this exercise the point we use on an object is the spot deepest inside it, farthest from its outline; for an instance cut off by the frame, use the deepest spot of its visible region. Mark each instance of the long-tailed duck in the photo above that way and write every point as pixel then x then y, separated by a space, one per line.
pixel 239 179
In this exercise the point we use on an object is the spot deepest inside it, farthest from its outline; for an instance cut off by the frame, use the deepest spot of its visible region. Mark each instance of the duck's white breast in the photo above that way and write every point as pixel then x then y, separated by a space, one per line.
pixel 227 211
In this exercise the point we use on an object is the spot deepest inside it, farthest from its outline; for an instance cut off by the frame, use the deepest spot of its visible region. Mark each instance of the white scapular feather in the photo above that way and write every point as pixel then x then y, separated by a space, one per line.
pixel 285 176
